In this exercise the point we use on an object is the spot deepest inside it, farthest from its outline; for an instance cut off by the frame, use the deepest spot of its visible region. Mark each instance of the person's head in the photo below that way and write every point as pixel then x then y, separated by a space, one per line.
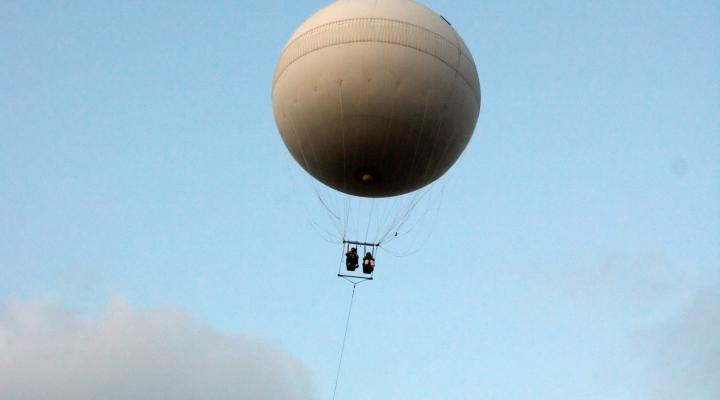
pixel 353 250
pixel 368 254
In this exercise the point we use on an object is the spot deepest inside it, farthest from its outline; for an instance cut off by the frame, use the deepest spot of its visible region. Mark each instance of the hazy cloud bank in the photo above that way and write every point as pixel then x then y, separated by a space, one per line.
pixel 685 353
pixel 668 312
pixel 619 285
pixel 50 353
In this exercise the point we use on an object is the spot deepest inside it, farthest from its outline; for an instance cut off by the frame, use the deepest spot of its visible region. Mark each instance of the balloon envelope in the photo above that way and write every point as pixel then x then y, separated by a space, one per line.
pixel 376 98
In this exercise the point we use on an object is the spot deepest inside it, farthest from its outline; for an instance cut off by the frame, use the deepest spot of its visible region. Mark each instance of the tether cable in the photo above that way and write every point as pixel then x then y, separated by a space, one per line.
pixel 342 349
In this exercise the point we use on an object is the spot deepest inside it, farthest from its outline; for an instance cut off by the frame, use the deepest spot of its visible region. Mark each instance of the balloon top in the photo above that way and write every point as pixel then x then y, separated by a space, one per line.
pixel 399 10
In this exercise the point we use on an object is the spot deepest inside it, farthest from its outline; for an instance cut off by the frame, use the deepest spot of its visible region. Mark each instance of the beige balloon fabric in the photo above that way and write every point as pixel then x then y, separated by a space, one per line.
pixel 376 98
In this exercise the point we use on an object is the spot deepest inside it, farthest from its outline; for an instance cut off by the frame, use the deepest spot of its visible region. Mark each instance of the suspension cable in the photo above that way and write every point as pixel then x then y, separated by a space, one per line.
pixel 342 349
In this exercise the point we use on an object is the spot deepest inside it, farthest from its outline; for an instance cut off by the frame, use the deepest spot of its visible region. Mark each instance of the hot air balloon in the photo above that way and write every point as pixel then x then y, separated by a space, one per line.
pixel 375 98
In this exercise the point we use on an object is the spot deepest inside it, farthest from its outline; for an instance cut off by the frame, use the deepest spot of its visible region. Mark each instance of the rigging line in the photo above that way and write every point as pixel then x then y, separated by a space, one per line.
pixel 348 213
pixel 329 212
pixel 342 349
pixel 372 209
pixel 397 212
pixel 419 244
pixel 308 215
pixel 306 166
pixel 401 215
pixel 325 234
pixel 334 218
pixel 409 207
pixel 342 255
pixel 377 223
pixel 417 198
pixel 348 208
pixel 422 241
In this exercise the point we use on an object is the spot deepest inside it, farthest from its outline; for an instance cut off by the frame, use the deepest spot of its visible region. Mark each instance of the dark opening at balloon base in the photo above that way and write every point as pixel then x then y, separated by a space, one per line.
pixel 367 176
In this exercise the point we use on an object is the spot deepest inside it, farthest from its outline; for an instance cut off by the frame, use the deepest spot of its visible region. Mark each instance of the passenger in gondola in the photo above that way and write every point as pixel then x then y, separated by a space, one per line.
pixel 351 259
pixel 368 263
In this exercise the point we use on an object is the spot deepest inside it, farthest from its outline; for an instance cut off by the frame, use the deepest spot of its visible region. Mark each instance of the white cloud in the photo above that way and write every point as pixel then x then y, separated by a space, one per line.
pixel 48 353
pixel 684 355
pixel 665 310
pixel 645 286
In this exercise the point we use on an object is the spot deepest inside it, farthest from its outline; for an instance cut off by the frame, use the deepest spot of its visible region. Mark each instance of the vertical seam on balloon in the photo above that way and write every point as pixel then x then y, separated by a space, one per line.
pixel 367 101
pixel 456 69
pixel 342 129
pixel 450 142
pixel 297 137
pixel 418 141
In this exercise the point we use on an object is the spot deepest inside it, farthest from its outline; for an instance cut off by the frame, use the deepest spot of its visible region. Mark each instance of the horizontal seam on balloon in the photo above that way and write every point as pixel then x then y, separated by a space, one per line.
pixel 344 24
pixel 459 46
pixel 457 71
pixel 340 21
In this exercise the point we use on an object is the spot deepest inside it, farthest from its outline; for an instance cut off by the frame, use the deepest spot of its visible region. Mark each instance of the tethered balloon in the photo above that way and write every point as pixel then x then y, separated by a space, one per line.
pixel 376 98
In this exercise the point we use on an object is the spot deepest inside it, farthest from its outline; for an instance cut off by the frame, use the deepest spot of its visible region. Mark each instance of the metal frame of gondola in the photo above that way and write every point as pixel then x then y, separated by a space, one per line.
pixel 352 278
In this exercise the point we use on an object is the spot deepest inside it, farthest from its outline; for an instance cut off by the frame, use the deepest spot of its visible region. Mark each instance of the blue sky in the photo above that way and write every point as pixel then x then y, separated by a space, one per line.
pixel 577 236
